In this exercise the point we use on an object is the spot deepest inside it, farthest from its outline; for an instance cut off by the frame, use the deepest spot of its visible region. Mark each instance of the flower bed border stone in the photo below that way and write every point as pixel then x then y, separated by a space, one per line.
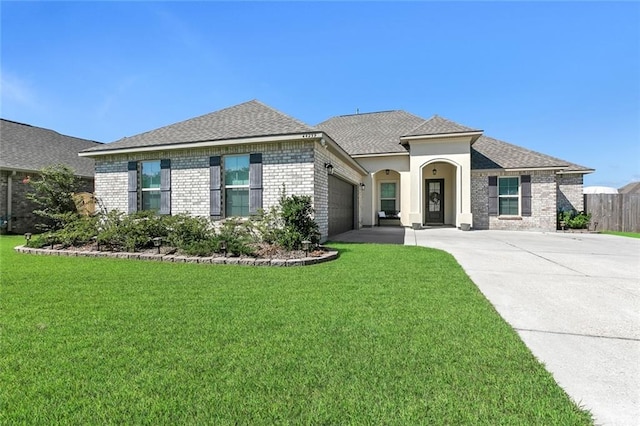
pixel 217 260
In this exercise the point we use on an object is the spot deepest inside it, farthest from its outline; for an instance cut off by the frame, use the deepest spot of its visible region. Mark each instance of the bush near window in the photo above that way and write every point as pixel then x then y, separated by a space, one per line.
pixel 573 219
pixel 285 226
pixel 290 222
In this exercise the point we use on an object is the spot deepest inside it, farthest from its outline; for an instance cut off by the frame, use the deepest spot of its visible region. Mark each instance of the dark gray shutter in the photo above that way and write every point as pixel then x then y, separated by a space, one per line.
pixel 132 168
pixel 215 187
pixel 255 183
pixel 165 186
pixel 525 194
pixel 493 195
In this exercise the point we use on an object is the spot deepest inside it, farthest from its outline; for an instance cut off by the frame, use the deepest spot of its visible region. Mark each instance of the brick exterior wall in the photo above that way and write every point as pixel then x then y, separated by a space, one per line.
pixel 569 192
pixel 321 185
pixel 22 218
pixel 298 165
pixel 288 163
pixel 543 203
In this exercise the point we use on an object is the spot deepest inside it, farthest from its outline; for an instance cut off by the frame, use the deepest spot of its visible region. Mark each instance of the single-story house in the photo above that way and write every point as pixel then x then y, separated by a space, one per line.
pixel 235 161
pixel 24 151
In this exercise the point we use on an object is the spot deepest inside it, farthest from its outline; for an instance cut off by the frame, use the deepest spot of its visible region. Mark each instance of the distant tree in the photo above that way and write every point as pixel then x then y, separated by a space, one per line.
pixel 52 191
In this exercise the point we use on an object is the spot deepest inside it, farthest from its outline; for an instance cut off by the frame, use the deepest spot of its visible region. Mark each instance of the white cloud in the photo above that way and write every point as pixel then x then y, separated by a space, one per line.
pixel 14 89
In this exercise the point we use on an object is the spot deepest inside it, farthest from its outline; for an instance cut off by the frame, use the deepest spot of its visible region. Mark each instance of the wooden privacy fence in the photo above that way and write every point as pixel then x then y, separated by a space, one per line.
pixel 614 212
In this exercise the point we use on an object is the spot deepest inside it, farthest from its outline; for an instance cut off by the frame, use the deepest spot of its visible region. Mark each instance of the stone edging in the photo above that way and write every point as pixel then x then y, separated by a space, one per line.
pixel 251 261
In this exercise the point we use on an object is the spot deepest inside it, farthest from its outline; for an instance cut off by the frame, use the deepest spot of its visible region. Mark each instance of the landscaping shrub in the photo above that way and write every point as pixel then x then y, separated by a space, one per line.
pixel 52 191
pixel 239 237
pixel 573 219
pixel 290 222
pixel 203 248
pixel 77 232
pixel 184 230
pixel 132 232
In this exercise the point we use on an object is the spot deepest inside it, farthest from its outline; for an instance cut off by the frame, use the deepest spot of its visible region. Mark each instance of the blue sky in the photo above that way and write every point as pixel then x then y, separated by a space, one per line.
pixel 562 78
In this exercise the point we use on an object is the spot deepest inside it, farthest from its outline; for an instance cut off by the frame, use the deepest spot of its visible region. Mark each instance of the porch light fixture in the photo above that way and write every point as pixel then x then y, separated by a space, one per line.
pixel 329 168
pixel 434 171
pixel 27 237
pixel 157 242
pixel 386 172
pixel 362 185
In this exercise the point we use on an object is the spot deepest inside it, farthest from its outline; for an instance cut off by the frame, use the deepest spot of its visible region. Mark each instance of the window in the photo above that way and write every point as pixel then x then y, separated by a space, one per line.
pixel 236 182
pixel 388 196
pixel 508 196
pixel 150 177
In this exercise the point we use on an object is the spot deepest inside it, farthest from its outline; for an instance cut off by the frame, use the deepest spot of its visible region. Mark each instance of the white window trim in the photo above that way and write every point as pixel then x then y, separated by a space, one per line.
pixel 394 198
pixel 142 188
pixel 510 196
pixel 224 183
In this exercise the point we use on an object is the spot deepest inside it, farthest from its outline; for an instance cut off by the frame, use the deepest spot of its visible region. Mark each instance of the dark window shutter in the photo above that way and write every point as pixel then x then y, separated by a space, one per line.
pixel 165 186
pixel 525 194
pixel 215 187
pixel 132 168
pixel 255 183
pixel 493 195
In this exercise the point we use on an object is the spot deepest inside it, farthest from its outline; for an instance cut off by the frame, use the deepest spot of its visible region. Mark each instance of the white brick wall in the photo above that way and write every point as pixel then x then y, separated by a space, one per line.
pixel 288 163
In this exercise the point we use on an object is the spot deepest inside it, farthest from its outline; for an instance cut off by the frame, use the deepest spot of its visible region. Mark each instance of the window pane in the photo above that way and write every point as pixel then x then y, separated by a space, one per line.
pixel 236 170
pixel 151 174
pixel 237 202
pixel 387 190
pixel 509 206
pixel 151 200
pixel 388 205
pixel 508 186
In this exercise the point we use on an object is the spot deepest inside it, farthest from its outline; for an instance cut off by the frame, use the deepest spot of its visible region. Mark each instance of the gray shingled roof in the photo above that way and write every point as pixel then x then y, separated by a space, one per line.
pixel 630 188
pixel 437 125
pixel 30 148
pixel 249 119
pixel 490 153
pixel 371 133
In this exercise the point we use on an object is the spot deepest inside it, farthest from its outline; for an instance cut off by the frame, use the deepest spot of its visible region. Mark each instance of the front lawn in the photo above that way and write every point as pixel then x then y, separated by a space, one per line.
pixel 623 234
pixel 384 335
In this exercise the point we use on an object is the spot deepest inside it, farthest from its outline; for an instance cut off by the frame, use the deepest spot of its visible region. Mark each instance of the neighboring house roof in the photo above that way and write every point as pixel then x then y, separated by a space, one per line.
pixel 437 125
pixel 249 119
pixel 371 133
pixel 490 153
pixel 630 188
pixel 29 148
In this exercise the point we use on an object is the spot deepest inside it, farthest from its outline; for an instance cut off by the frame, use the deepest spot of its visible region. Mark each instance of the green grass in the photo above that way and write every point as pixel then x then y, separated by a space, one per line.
pixel 623 234
pixel 384 335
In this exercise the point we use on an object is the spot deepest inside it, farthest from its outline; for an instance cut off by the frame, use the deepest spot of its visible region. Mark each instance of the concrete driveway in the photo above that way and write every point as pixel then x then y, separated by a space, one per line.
pixel 574 299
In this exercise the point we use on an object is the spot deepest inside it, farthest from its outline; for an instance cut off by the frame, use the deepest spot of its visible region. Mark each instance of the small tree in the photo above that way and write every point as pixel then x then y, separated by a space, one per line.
pixel 53 192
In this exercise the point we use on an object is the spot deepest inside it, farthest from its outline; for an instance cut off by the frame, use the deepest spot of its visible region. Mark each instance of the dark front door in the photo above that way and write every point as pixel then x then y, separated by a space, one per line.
pixel 435 201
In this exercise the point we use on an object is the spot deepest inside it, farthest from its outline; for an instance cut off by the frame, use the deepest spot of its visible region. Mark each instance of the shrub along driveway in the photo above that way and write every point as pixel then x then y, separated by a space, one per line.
pixel 574 299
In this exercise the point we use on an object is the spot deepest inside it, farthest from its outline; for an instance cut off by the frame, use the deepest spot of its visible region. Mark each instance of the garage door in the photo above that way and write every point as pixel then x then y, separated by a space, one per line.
pixel 341 206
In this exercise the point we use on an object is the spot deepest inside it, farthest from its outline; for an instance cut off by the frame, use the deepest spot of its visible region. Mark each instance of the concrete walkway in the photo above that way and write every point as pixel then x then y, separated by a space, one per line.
pixel 574 299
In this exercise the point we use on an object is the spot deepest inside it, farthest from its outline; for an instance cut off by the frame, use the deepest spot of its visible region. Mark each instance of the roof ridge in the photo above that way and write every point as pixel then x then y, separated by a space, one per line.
pixel 369 113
